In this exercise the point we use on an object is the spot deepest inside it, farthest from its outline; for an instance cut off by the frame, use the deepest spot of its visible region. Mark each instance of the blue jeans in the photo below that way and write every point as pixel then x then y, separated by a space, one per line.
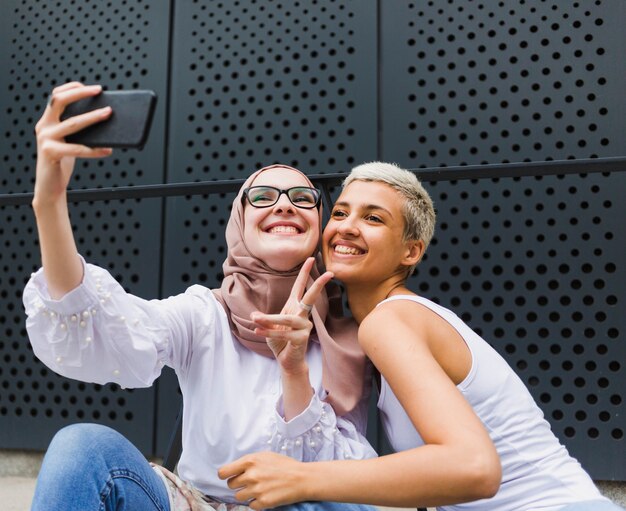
pixel 89 467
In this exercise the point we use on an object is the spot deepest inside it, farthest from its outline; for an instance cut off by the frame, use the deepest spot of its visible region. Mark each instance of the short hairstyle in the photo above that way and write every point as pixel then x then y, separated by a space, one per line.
pixel 418 209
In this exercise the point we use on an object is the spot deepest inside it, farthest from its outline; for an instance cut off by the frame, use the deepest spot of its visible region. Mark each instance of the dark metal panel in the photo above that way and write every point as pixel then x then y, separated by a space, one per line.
pixel 253 84
pixel 536 265
pixel 120 45
pixel 484 83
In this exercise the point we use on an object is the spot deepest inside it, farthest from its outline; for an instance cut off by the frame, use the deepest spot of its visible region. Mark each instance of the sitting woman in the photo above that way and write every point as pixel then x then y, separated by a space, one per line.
pixel 469 435
pixel 83 325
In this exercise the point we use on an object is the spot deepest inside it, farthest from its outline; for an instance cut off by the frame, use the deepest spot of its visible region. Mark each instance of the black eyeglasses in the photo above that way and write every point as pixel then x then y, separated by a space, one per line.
pixel 266 196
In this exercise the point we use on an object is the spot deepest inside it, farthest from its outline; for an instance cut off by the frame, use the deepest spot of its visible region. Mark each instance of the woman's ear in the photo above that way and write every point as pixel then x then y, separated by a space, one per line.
pixel 415 251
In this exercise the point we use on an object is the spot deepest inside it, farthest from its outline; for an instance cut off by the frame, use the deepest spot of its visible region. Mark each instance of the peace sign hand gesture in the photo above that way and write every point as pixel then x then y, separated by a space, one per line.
pixel 288 333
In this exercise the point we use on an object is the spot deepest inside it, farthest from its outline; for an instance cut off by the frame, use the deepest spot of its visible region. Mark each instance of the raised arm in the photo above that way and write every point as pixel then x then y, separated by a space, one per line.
pixel 288 335
pixel 55 164
pixel 458 462
pixel 81 322
pixel 307 428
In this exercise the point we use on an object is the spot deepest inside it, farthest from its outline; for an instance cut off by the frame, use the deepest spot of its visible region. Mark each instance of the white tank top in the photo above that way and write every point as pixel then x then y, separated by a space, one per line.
pixel 537 471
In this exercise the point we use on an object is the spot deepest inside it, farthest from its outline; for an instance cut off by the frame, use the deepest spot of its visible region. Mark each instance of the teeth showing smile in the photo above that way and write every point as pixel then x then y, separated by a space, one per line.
pixel 342 249
pixel 283 229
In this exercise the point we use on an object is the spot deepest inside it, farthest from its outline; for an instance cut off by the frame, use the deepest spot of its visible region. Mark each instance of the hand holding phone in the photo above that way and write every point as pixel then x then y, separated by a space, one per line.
pixel 128 125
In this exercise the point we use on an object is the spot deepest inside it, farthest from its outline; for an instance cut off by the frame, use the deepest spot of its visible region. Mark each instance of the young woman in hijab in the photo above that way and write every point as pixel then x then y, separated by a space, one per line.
pixel 468 433
pixel 83 325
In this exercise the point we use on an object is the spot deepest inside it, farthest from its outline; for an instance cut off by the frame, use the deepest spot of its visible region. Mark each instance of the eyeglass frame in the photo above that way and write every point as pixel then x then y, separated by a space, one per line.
pixel 318 200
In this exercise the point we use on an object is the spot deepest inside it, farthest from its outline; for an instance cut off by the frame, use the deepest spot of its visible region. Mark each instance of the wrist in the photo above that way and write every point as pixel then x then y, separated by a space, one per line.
pixel 295 373
pixel 297 383
pixel 297 394
pixel 312 477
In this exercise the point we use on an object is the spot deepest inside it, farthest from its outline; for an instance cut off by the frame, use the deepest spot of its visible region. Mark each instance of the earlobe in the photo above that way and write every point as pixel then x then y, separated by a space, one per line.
pixel 415 251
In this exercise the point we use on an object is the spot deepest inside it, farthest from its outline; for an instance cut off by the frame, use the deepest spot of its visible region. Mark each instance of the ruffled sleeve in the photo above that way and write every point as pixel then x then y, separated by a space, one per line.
pixel 317 434
pixel 99 333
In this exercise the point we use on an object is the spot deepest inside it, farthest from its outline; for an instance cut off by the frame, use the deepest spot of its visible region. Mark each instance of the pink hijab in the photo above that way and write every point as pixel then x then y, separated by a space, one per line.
pixel 250 285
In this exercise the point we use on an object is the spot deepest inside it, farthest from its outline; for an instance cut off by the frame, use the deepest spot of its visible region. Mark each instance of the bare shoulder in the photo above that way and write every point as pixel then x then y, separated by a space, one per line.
pixel 406 326
pixel 406 312
pixel 402 320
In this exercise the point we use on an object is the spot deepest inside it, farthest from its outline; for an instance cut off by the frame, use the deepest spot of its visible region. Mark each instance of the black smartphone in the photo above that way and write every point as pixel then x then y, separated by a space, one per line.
pixel 128 125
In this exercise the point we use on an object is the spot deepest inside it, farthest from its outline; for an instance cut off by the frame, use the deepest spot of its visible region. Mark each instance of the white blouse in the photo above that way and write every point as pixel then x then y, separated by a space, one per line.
pixel 99 333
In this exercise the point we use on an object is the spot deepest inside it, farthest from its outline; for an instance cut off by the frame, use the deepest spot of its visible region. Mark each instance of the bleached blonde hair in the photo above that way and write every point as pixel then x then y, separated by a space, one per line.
pixel 418 209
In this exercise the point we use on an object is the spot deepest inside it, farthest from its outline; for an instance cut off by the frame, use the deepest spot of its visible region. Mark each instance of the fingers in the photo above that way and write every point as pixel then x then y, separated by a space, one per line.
pixel 61 88
pixel 276 333
pixel 296 337
pixel 243 493
pixel 66 94
pixel 316 288
pixel 288 320
pixel 256 482
pixel 236 482
pixel 303 276
pixel 67 86
pixel 51 132
pixel 232 469
pixel 282 330
pixel 79 122
pixel 55 150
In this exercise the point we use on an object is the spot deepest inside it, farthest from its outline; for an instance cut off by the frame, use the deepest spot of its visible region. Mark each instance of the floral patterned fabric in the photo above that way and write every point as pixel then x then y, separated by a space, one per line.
pixel 184 497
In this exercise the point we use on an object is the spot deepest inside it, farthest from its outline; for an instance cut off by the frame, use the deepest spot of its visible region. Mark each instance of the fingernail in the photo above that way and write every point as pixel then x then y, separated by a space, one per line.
pixel 106 110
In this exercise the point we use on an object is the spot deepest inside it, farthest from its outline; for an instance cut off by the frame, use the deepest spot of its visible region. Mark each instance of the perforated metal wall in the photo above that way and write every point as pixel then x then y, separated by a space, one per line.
pixel 534 265
pixel 45 44
pixel 479 82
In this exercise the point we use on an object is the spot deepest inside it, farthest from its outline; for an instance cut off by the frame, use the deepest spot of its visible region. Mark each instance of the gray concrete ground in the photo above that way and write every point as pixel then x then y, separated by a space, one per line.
pixel 18 471
pixel 16 493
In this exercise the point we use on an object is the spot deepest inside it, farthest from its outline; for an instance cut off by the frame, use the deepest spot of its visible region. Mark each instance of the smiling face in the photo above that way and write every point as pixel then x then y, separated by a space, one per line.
pixel 282 235
pixel 363 240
